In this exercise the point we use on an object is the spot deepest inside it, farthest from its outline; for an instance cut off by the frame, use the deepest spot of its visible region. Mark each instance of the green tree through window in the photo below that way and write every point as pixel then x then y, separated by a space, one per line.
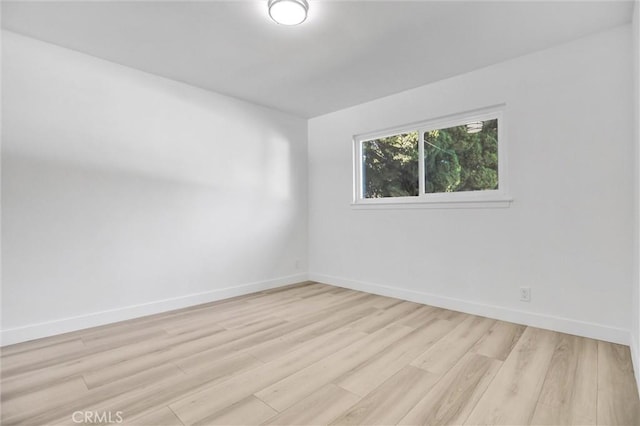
pixel 460 158
pixel 391 166
pixel 457 160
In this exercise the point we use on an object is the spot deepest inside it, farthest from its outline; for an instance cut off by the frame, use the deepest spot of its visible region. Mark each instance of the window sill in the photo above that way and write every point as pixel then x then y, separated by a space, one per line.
pixel 388 204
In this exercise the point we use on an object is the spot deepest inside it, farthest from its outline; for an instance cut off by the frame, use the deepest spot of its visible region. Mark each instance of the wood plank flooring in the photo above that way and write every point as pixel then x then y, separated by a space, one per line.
pixel 317 354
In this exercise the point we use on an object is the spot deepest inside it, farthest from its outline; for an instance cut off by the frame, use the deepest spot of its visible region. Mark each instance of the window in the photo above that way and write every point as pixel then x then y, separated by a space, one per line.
pixel 457 159
pixel 390 166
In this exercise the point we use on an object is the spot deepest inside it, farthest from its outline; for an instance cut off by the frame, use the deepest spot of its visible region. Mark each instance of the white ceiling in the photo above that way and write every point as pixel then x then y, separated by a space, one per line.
pixel 348 52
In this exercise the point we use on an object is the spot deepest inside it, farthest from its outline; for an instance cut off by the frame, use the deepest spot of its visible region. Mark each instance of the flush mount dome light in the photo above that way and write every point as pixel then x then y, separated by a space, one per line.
pixel 288 12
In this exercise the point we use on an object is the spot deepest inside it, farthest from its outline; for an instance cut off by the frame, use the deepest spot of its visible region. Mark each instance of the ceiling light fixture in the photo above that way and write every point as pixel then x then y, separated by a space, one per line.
pixel 288 12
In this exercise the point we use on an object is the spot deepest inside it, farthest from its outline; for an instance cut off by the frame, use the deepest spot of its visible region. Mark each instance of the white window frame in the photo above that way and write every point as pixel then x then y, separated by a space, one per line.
pixel 473 199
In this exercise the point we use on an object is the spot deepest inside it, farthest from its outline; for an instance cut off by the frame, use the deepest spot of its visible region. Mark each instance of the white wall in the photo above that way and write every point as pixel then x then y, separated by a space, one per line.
pixel 568 232
pixel 635 327
pixel 126 194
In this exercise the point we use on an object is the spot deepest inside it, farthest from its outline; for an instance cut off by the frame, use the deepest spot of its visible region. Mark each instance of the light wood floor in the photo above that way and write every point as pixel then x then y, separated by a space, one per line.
pixel 316 354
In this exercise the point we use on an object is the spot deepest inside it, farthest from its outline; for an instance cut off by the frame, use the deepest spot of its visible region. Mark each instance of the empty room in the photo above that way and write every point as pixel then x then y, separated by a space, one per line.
pixel 320 212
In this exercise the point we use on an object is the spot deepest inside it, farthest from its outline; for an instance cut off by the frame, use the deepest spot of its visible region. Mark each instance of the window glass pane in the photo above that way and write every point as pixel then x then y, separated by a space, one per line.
pixel 462 158
pixel 390 166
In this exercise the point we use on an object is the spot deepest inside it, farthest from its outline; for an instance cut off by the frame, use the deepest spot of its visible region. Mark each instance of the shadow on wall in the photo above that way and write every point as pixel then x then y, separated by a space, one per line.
pixel 96 239
pixel 120 187
pixel 97 114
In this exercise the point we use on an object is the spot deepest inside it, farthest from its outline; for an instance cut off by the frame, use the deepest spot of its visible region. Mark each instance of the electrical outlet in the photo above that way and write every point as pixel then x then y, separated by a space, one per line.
pixel 525 294
pixel 296 264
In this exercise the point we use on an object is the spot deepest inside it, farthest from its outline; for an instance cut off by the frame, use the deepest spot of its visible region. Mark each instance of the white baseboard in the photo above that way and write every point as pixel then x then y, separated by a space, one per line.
pixel 563 325
pixel 65 325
